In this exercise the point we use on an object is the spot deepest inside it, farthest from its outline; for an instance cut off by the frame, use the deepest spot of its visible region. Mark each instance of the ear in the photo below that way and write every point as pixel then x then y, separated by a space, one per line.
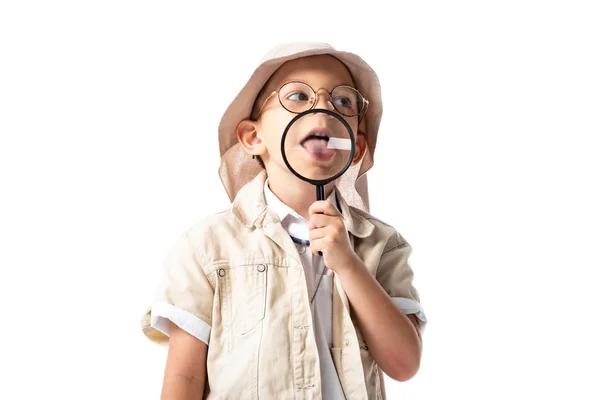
pixel 247 134
pixel 361 148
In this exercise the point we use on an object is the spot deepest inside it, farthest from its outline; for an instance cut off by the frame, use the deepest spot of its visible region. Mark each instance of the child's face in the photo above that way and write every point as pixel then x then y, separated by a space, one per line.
pixel 263 136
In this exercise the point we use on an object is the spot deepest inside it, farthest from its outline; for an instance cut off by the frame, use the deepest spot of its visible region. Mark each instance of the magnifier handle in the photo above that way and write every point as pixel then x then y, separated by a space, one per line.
pixel 320 196
pixel 320 252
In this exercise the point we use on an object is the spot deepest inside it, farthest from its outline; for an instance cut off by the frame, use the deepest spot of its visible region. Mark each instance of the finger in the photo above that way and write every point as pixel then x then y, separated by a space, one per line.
pixel 317 246
pixel 322 220
pixel 318 233
pixel 325 207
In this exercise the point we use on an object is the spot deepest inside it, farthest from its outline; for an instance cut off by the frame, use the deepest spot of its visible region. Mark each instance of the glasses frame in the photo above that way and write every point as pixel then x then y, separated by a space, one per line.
pixel 360 114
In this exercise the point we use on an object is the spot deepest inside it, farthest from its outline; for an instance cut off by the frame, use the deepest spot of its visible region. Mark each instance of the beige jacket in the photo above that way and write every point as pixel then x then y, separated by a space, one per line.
pixel 240 272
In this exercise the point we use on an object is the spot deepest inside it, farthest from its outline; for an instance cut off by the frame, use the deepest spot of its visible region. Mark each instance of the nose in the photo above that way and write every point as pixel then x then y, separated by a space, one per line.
pixel 323 101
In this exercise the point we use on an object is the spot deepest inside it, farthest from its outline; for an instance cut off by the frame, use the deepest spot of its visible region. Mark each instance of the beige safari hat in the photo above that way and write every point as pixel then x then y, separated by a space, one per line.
pixel 238 168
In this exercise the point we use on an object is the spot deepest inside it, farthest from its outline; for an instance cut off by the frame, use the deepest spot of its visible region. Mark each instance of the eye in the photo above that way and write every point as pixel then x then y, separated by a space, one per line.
pixel 344 102
pixel 297 96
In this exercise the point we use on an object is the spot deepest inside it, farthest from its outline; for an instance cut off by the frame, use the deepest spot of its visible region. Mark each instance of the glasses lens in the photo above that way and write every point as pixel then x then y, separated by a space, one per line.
pixel 296 97
pixel 347 100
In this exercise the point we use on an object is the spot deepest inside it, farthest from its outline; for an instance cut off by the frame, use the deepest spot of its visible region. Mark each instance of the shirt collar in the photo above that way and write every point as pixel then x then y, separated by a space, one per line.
pixel 283 210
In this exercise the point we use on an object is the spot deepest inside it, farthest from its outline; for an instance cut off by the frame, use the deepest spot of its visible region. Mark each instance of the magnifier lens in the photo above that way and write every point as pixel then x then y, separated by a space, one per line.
pixel 318 146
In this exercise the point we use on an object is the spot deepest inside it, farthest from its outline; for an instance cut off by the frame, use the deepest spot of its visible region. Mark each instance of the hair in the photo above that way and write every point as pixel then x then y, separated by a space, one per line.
pixel 260 98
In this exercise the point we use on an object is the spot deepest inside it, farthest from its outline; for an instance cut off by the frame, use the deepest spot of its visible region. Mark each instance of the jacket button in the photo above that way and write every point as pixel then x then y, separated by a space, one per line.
pixel 347 342
pixel 221 272
pixel 261 268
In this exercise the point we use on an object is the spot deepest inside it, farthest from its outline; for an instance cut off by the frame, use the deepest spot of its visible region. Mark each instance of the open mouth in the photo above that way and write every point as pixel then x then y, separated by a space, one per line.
pixel 315 144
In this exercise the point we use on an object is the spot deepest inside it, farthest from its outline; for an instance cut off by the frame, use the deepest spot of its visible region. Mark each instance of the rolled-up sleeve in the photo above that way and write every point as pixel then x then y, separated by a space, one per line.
pixel 184 296
pixel 395 275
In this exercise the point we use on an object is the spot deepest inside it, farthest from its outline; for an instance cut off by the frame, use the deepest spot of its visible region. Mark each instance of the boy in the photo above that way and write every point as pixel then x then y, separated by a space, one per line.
pixel 248 307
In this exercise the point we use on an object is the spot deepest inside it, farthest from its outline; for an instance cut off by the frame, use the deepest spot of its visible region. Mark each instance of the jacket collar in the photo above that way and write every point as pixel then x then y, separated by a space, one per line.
pixel 250 208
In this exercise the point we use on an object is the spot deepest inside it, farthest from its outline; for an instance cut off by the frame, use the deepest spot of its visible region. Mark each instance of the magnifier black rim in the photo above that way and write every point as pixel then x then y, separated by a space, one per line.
pixel 352 146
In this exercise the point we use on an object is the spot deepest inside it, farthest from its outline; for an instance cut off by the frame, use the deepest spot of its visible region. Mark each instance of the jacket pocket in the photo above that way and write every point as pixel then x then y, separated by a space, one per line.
pixel 242 291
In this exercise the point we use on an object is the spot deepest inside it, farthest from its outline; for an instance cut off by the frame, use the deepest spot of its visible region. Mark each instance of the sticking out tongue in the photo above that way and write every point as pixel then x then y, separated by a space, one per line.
pixel 317 147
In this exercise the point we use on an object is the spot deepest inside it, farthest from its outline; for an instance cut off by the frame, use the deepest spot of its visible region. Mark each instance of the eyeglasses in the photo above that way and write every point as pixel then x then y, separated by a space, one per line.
pixel 297 97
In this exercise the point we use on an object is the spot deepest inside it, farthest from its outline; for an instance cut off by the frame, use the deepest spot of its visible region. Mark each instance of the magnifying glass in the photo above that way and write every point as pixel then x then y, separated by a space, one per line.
pixel 318 147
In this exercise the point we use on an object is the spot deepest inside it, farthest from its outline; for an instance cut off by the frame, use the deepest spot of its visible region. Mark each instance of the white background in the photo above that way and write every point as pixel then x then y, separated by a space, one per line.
pixel 487 163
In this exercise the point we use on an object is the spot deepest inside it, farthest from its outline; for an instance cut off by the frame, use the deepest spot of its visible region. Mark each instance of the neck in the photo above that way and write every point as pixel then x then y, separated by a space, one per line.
pixel 296 194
